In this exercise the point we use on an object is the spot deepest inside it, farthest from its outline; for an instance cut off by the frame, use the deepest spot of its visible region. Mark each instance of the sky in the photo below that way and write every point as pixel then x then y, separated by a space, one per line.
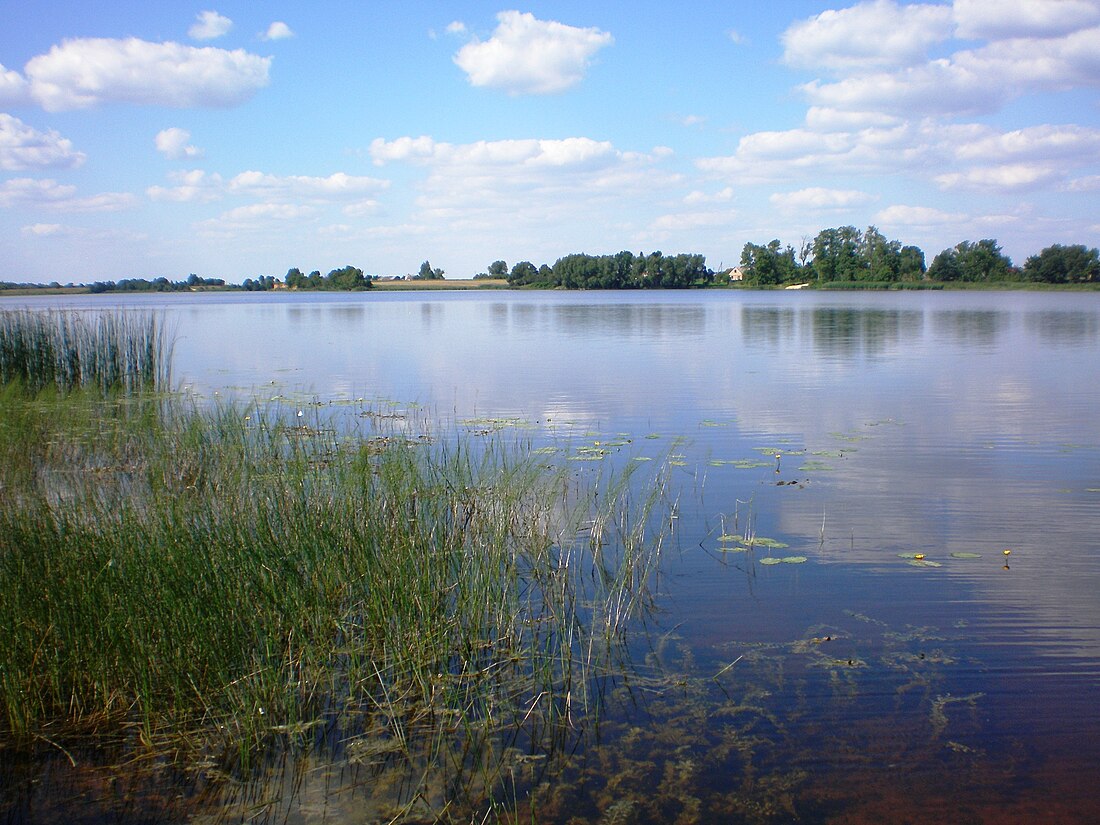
pixel 238 139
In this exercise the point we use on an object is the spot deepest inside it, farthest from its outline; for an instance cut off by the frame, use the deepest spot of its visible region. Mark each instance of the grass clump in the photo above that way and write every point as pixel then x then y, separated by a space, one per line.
pixel 217 578
pixel 70 350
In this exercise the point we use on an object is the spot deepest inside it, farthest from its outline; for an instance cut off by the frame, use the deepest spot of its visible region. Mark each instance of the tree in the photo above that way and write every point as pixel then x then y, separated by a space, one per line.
pixel 982 261
pixel 523 273
pixel 498 269
pixel 881 258
pixel 295 279
pixel 837 254
pixel 945 266
pixel 428 274
pixel 769 265
pixel 911 264
pixel 1059 264
pixel 349 278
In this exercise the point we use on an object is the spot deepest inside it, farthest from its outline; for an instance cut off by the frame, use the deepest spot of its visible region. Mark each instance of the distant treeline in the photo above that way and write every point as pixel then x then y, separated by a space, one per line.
pixel 837 257
pixel 846 255
pixel 624 270
pixel 156 285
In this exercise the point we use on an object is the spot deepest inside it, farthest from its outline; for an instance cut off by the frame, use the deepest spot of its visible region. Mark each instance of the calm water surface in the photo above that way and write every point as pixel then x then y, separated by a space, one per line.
pixel 864 688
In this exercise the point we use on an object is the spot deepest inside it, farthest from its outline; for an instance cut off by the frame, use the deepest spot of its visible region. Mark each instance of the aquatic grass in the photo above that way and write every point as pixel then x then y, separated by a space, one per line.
pixel 221 575
pixel 70 350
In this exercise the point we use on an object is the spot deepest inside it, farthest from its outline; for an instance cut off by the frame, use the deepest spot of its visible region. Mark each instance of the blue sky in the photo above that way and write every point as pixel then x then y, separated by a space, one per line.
pixel 237 139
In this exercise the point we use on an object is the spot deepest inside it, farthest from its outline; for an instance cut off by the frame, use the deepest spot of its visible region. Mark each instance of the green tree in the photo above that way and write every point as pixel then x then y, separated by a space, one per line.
pixel 428 274
pixel 982 261
pixel 911 263
pixel 881 258
pixel 837 254
pixel 522 274
pixel 1059 264
pixel 498 269
pixel 945 266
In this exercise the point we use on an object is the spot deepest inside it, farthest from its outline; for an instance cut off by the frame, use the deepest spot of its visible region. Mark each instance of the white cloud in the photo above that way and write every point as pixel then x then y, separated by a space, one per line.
pixel 794 153
pixel 1089 183
pixel 43 229
pixel 686 221
pixel 87 72
pixel 31 193
pixel 13 86
pixel 336 186
pixel 193 186
pixel 277 31
pixel 735 37
pixel 818 198
pixel 197 186
pixel 721 196
pixel 996 19
pixel 872 35
pixel 1043 142
pixel 456 27
pixel 23 147
pixel 209 25
pixel 917 216
pixel 172 143
pixel 1009 177
pixel 539 188
pixel 257 217
pixel 530 56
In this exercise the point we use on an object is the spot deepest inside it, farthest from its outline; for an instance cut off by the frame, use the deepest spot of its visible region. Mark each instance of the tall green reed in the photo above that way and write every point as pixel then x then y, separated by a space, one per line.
pixel 70 350
pixel 223 574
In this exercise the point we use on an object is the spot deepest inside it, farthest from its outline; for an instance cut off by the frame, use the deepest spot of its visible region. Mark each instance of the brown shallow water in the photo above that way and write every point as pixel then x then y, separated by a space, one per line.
pixel 852 687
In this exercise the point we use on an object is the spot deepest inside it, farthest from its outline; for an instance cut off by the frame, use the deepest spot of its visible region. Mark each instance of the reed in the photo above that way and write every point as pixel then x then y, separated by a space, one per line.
pixel 71 350
pixel 215 578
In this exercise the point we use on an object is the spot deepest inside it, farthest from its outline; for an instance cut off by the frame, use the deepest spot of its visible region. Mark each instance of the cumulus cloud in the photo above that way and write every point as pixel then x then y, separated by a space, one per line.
pixel 818 198
pixel 192 186
pixel 29 193
pixel 530 56
pixel 277 31
pixel 1009 177
pixel 23 147
pixel 13 86
pixel 533 185
pixel 173 144
pixel 456 27
pixel 209 25
pixel 90 71
pixel 274 187
pixel 779 155
pixel 873 35
pixel 257 217
pixel 197 186
pixel 996 19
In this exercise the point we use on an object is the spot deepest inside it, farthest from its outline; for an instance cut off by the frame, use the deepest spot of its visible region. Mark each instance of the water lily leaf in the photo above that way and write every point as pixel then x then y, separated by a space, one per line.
pixel 761 541
pixel 794 559
pixel 925 563
pixel 771 560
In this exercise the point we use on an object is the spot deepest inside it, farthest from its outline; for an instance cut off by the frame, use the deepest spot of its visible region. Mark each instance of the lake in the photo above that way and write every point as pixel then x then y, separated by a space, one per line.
pixel 874 655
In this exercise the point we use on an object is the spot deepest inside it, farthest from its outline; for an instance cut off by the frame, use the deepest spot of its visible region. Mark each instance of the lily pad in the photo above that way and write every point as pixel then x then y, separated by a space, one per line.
pixel 761 541
pixel 794 560
pixel 771 560
pixel 966 555
pixel 925 563
pixel 815 467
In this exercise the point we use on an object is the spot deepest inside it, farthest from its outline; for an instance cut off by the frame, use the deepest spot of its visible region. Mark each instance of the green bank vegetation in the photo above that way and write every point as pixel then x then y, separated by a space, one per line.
pixel 215 579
